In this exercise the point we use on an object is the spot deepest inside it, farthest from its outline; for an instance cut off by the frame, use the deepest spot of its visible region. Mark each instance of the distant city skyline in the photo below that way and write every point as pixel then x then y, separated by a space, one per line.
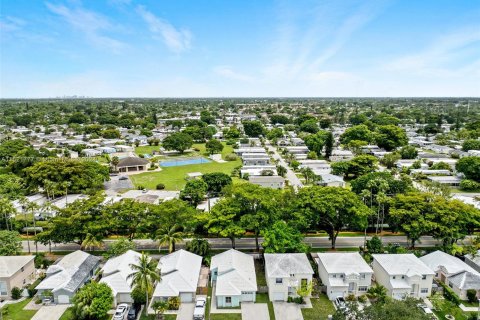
pixel 239 48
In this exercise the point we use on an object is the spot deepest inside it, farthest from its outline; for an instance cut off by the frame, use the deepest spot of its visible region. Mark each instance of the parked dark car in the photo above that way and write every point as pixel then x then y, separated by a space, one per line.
pixel 132 314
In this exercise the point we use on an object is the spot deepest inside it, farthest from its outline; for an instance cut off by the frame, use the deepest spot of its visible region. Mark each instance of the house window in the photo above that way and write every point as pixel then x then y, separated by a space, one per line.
pixel 341 276
pixel 334 275
pixel 424 290
pixel 403 277
pixel 394 277
pixel 22 269
pixel 278 280
pixel 362 276
pixel 362 289
pixel 424 277
pixel 3 288
pixel 228 299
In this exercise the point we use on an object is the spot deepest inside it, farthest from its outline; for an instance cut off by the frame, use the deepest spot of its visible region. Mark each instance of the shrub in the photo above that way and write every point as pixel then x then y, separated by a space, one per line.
pixel 173 303
pixel 472 295
pixel 231 157
pixel 469 185
pixel 362 299
pixel 16 293
pixel 160 186
pixel 231 142
pixel 450 295
pixel 31 291
pixel 138 296
pixel 351 297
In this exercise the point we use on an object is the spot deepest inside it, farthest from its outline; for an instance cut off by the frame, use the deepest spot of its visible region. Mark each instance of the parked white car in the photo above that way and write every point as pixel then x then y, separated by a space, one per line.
pixel 199 311
pixel 121 311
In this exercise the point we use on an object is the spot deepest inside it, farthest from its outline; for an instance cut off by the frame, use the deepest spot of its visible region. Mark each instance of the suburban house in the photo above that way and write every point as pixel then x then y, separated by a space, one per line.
pixel 403 275
pixel 15 271
pixel 180 273
pixel 453 272
pixel 344 274
pixel 132 164
pixel 67 276
pixel 233 277
pixel 286 273
pixel 329 180
pixel 275 182
pixel 115 274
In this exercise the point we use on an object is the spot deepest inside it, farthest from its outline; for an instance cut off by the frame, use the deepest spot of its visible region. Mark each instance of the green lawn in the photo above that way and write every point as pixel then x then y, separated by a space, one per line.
pixel 146 149
pixel 67 315
pixel 260 272
pixel 322 307
pixel 443 307
pixel 174 177
pixel 15 311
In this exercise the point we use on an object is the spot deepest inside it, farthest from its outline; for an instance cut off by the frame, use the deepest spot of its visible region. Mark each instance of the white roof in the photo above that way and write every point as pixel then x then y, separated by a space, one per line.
pixel 235 273
pixel 402 264
pixel 344 262
pixel 180 272
pixel 466 280
pixel 9 265
pixel 117 270
pixel 451 264
pixel 70 272
pixel 280 265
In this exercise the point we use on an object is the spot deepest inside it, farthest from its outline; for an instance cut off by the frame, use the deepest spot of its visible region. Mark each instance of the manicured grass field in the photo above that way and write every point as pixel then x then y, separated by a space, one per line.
pixel 322 307
pixel 15 311
pixel 174 177
pixel 146 149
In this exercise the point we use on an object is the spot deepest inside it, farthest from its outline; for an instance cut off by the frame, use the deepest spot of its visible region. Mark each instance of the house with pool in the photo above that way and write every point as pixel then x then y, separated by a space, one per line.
pixel 233 279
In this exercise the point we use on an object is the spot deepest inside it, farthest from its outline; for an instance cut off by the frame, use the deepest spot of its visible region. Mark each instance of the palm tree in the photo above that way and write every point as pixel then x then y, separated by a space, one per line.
pixel 91 242
pixel 7 211
pixel 114 162
pixel 159 307
pixel 377 293
pixel 145 274
pixel 169 236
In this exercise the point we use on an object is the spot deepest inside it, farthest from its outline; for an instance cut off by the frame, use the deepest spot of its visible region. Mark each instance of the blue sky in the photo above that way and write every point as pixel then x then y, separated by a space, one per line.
pixel 213 48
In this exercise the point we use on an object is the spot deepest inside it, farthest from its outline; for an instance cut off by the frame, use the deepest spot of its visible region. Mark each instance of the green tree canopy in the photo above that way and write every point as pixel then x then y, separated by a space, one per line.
pixel 92 301
pixel 470 167
pixel 179 141
pixel 10 243
pixel 282 238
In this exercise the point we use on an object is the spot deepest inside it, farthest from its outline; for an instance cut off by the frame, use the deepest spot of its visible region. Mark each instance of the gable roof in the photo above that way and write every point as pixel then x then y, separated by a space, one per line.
pixel 451 264
pixel 402 264
pixel 235 273
pixel 280 265
pixel 9 265
pixel 180 272
pixel 466 280
pixel 344 262
pixel 117 270
pixel 70 272
pixel 132 161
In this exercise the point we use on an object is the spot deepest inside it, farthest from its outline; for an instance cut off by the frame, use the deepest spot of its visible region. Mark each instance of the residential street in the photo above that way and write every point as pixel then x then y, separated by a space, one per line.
pixel 248 243
pixel 290 176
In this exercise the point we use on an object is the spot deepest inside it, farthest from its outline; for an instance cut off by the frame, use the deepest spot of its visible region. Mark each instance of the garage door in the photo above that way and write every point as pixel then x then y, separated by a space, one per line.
pixel 63 299
pixel 247 297
pixel 278 296
pixel 336 294
pixel 186 297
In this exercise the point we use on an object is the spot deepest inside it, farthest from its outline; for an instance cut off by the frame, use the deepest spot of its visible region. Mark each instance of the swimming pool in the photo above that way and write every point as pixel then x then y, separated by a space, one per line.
pixel 184 162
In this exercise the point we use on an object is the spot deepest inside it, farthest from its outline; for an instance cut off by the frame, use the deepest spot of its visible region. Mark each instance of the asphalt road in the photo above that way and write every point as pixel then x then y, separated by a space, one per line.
pixel 290 176
pixel 248 243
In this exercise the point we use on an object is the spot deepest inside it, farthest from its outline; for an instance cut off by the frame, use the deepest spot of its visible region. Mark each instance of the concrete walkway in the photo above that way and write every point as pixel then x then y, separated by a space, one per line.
pixel 257 311
pixel 287 311
pixel 468 309
pixel 50 312
pixel 185 312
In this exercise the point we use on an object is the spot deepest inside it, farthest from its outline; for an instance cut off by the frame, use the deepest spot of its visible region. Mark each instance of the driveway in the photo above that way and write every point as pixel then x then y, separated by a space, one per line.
pixel 186 311
pixel 50 312
pixel 257 311
pixel 287 311
pixel 115 184
pixel 291 176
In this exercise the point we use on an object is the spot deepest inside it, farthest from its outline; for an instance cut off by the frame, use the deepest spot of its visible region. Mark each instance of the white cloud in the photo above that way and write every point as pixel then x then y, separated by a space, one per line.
pixel 177 40
pixel 91 24
pixel 434 59
pixel 229 73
